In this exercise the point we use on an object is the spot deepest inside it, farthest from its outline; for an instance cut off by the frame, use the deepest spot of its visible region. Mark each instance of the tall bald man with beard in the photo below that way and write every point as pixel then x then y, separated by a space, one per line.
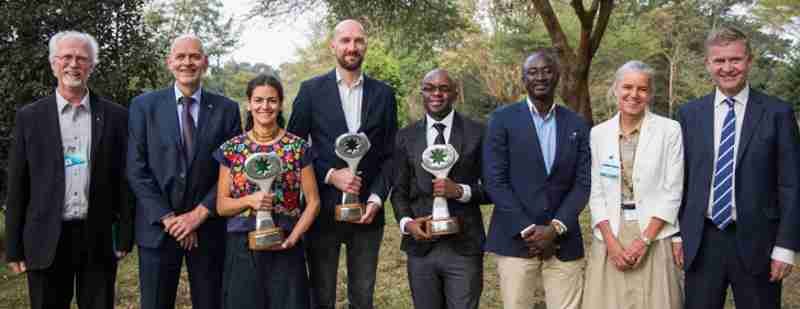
pixel 327 106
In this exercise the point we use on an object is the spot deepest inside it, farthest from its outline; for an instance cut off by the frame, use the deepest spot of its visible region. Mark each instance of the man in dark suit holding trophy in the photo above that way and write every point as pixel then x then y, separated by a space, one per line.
pixel 445 265
pixel 341 113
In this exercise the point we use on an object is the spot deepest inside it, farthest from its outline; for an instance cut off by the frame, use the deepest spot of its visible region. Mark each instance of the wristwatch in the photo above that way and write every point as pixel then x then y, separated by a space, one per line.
pixel 646 241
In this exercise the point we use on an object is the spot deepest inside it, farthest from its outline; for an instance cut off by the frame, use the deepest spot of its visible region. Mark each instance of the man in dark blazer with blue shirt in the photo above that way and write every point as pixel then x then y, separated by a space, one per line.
pixel 327 106
pixel 739 218
pixel 172 133
pixel 536 165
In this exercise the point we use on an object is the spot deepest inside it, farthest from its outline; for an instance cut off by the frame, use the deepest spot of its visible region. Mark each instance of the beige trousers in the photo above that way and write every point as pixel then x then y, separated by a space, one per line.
pixel 654 284
pixel 519 278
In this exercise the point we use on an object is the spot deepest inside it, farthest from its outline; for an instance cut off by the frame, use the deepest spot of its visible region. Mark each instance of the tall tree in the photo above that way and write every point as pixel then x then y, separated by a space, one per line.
pixel 576 62
pixel 127 60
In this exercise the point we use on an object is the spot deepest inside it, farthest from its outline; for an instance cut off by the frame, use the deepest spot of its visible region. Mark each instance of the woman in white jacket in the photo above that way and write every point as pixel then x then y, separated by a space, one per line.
pixel 637 181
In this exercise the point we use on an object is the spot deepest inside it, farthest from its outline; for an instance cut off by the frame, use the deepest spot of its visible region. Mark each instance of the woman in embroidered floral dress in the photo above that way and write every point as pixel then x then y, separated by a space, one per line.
pixel 276 278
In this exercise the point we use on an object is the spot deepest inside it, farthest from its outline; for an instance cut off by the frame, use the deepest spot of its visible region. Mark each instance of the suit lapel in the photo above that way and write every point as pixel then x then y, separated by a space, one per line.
pixel 365 102
pixel 645 136
pixel 167 115
pixel 336 108
pixel 752 118
pixel 420 143
pixel 705 121
pixel 204 111
pixel 525 118
pixel 562 130
pixel 53 131
pixel 98 121
pixel 457 134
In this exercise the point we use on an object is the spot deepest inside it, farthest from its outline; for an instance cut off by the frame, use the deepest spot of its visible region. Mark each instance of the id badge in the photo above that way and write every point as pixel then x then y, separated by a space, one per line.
pixel 610 168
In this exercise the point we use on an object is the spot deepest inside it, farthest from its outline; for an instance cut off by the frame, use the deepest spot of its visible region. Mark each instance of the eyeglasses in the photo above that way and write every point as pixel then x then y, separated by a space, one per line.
pixel 80 60
pixel 433 88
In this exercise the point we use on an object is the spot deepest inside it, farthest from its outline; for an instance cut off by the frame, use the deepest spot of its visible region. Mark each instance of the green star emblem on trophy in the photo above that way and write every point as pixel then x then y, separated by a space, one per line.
pixel 438 156
pixel 263 167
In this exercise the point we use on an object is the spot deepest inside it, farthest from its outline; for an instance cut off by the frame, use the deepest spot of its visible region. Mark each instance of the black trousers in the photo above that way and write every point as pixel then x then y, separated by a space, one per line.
pixel 445 279
pixel 718 265
pixel 265 279
pixel 362 263
pixel 160 268
pixel 93 285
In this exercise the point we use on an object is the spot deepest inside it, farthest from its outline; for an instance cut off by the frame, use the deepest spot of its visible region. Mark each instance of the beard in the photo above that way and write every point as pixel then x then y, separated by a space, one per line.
pixel 350 66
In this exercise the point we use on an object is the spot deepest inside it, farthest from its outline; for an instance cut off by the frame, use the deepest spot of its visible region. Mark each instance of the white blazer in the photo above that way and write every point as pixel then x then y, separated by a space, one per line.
pixel 657 174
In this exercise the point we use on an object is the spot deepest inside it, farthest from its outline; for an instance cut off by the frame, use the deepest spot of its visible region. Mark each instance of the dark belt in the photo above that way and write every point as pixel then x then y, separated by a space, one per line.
pixel 628 206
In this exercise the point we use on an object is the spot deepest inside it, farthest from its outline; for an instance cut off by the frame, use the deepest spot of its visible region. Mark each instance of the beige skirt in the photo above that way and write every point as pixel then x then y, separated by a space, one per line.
pixel 656 283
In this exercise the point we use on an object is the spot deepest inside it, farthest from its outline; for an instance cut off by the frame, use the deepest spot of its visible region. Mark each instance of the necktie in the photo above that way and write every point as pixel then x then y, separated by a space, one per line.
pixel 440 136
pixel 722 207
pixel 187 131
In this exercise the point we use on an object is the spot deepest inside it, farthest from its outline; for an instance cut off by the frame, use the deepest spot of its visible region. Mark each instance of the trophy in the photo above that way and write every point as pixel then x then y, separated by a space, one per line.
pixel 438 160
pixel 262 168
pixel 351 147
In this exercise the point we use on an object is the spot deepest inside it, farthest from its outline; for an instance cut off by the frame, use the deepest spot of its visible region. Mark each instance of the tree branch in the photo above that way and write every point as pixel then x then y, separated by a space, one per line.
pixel 550 21
pixel 606 7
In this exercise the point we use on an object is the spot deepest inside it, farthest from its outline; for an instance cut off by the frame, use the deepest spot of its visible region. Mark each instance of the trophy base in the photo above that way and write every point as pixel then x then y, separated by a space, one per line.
pixel 349 212
pixel 266 239
pixel 440 227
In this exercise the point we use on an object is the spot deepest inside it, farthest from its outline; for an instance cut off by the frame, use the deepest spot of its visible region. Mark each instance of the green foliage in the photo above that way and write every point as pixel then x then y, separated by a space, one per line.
pixel 127 59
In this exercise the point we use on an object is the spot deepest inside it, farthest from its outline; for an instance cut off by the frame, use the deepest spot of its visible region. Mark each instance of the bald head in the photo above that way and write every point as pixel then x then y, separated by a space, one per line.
pixel 346 26
pixel 349 45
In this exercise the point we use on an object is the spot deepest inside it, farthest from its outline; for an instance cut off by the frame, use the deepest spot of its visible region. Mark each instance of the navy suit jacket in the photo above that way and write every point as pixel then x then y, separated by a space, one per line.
pixel 767 183
pixel 36 184
pixel 317 116
pixel 518 184
pixel 162 180
pixel 413 188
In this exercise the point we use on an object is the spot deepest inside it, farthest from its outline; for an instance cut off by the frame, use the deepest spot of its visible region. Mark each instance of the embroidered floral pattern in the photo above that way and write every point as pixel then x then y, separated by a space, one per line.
pixel 286 186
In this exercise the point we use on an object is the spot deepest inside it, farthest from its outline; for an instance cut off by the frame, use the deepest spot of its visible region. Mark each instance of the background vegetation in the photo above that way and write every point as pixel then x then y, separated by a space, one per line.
pixel 482 42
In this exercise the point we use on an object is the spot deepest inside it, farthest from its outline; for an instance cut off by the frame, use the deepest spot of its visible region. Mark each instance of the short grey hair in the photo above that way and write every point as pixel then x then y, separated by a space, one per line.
pixel 74 35
pixel 186 36
pixel 633 66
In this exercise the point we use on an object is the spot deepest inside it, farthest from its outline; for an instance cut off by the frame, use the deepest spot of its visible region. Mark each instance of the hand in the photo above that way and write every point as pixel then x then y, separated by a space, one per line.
pixel 120 254
pixel 289 243
pixel 547 252
pixel 541 237
pixel 414 227
pixel 344 180
pixel 168 222
pixel 369 215
pixel 17 267
pixel 188 222
pixel 444 187
pixel 635 252
pixel 260 201
pixel 616 253
pixel 779 270
pixel 189 242
pixel 677 253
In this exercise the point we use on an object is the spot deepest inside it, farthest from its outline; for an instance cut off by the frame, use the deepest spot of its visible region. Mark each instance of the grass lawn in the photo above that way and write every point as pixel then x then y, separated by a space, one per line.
pixel 391 290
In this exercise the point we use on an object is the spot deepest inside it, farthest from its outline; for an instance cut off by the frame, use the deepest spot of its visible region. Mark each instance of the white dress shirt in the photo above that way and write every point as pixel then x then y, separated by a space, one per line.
pixel 720 111
pixel 430 136
pixel 351 97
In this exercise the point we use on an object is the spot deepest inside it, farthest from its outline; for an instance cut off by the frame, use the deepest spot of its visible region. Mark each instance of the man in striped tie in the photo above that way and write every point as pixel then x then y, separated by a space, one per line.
pixel 740 218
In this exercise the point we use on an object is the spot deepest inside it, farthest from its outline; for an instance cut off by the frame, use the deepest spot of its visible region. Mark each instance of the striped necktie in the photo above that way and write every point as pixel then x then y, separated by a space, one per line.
pixel 722 208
